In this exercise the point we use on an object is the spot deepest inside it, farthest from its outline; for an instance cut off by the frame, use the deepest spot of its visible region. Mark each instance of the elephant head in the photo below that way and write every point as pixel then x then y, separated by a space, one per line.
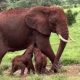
pixel 58 23
pixel 49 19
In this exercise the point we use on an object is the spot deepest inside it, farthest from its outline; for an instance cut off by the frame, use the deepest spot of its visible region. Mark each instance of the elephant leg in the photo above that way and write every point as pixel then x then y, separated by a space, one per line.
pixel 28 70
pixel 44 70
pixel 22 67
pixel 56 65
pixel 38 68
pixel 3 50
pixel 2 53
pixel 14 69
pixel 43 44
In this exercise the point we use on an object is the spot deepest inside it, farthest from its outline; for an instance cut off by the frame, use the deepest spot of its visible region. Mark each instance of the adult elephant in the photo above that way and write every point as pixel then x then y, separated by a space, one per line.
pixel 19 28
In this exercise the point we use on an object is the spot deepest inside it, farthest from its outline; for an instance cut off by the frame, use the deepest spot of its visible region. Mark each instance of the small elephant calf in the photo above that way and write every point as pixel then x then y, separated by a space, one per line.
pixel 23 61
pixel 40 61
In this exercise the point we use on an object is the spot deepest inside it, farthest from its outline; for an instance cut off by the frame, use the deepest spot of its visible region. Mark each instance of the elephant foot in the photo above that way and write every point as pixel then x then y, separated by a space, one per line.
pixel 55 67
pixel 44 71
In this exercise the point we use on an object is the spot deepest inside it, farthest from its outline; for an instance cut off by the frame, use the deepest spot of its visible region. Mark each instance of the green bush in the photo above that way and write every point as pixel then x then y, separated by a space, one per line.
pixel 20 3
pixel 71 17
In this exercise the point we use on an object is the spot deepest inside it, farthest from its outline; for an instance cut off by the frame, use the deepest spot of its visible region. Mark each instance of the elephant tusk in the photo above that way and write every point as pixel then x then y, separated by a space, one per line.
pixel 71 38
pixel 63 38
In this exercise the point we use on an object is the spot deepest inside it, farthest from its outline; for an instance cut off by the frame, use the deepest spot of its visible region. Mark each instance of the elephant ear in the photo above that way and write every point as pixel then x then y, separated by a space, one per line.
pixel 38 22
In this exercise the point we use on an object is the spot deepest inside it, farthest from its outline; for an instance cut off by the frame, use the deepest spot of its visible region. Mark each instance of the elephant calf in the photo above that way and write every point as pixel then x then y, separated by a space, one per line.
pixel 40 61
pixel 23 61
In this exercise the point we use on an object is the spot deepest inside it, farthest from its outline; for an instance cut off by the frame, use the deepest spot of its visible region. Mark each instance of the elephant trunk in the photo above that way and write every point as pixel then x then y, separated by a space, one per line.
pixel 63 40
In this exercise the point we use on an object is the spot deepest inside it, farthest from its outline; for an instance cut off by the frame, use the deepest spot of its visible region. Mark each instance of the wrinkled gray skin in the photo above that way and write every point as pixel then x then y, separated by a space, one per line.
pixel 20 27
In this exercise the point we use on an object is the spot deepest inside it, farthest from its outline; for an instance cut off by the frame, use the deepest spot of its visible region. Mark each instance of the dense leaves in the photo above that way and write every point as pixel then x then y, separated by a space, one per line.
pixel 71 16
pixel 29 3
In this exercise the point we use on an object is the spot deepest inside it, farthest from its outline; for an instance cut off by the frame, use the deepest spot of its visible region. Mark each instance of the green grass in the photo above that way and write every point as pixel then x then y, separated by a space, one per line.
pixel 34 77
pixel 39 77
pixel 71 55
pixel 46 77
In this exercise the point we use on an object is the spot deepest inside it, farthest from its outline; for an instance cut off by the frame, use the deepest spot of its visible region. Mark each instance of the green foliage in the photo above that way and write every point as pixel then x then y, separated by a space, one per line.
pixel 19 3
pixel 29 3
pixel 1 72
pixel 71 16
pixel 4 67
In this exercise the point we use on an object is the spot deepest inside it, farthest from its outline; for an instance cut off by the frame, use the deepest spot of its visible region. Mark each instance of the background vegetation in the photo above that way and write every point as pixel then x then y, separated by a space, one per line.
pixel 28 3
pixel 71 54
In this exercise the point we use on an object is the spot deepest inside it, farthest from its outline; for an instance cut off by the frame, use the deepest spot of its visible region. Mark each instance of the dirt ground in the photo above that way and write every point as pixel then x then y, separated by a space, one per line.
pixel 69 70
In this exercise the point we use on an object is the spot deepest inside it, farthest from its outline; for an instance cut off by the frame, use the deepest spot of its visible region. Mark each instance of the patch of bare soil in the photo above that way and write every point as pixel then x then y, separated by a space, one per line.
pixel 69 70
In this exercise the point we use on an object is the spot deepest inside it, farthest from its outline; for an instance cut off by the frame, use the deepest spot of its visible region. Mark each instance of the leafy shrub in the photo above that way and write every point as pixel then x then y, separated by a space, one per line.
pixel 20 3
pixel 71 17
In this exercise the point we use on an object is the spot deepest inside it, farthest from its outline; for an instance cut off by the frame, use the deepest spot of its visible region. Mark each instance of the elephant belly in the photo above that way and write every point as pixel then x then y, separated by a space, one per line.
pixel 19 40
